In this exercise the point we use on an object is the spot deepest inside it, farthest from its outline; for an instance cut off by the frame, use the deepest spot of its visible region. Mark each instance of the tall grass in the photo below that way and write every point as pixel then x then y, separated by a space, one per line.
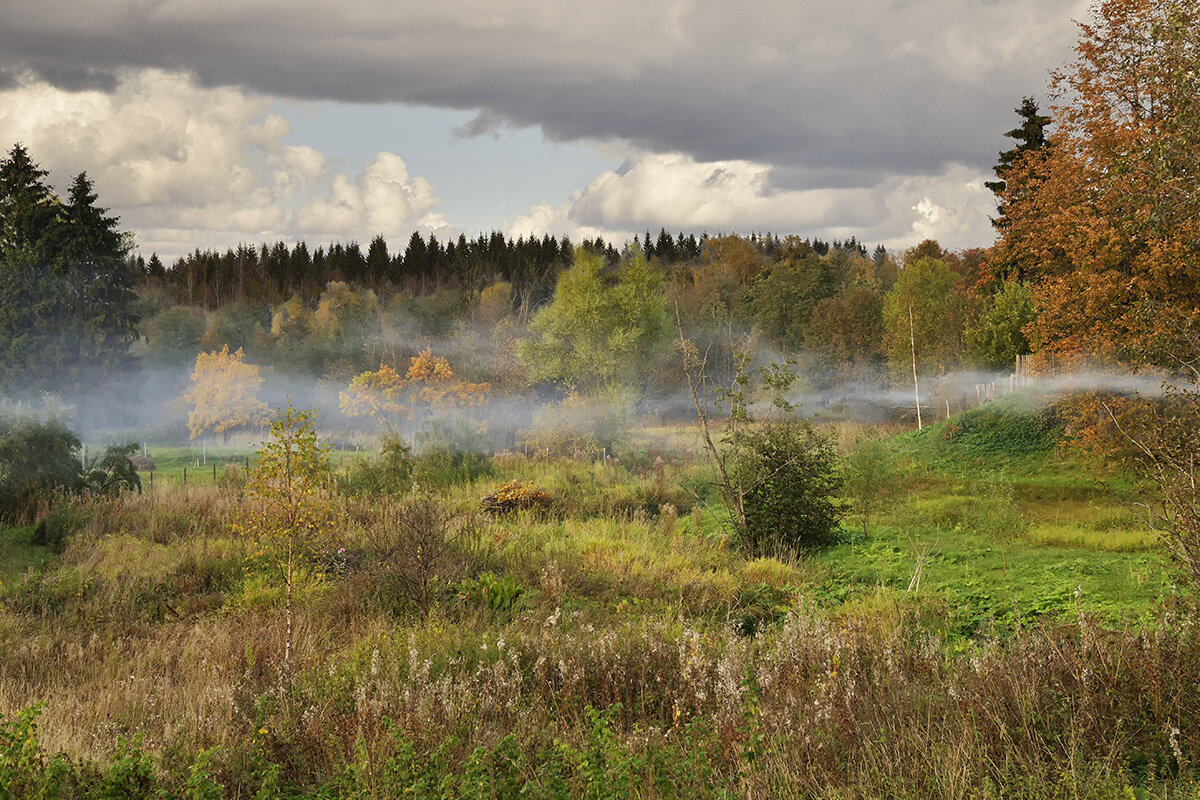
pixel 606 648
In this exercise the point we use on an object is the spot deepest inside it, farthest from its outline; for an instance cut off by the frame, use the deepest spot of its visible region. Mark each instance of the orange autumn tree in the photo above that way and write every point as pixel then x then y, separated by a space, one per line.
pixel 1105 220
pixel 224 394
pixel 428 386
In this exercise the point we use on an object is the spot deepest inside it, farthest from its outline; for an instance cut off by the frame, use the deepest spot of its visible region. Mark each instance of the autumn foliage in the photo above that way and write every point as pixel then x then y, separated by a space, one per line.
pixel 514 496
pixel 428 384
pixel 1105 220
pixel 224 394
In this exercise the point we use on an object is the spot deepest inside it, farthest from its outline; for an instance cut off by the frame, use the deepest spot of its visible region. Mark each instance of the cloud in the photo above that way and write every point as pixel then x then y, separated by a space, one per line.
pixel 676 192
pixel 187 166
pixel 830 94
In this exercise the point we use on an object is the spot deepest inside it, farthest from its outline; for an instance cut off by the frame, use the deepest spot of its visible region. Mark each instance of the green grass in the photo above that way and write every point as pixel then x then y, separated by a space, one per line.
pixel 17 555
pixel 1006 524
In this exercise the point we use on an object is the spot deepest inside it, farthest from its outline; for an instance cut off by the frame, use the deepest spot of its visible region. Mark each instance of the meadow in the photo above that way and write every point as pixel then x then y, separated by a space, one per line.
pixel 1005 626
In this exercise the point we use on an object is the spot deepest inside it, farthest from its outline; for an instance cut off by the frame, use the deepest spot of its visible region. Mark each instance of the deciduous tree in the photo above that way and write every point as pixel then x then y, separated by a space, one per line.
pixel 288 505
pixel 1106 218
pixel 224 394
pixel 428 385
pixel 599 333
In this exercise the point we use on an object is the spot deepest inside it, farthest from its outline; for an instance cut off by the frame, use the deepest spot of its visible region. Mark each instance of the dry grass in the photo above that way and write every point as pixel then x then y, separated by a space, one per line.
pixel 157 622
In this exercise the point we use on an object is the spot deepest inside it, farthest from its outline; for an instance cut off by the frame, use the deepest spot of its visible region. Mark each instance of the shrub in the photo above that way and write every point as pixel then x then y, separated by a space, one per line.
pixel 788 477
pixel 515 496
pixel 37 460
pixel 115 472
pixel 443 468
pixel 54 529
pixel 580 426
pixel 413 545
pixel 391 474
pixel 869 476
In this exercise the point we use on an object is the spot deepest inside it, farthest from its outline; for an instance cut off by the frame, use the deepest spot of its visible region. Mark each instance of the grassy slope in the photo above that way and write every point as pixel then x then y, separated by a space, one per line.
pixel 1005 523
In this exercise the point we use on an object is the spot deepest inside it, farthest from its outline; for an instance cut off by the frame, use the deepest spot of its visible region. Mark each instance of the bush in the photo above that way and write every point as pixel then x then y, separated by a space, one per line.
pixel 869 477
pixel 515 496
pixel 37 460
pixel 788 479
pixel 391 474
pixel 415 548
pixel 54 529
pixel 115 472
pixel 450 452
pixel 443 468
pixel 580 426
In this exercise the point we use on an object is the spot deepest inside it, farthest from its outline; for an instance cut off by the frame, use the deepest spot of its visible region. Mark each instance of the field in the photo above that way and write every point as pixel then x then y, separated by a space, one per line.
pixel 1005 627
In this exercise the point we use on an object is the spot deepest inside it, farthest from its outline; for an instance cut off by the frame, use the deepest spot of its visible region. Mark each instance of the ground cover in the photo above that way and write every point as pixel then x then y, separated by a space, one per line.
pixel 613 642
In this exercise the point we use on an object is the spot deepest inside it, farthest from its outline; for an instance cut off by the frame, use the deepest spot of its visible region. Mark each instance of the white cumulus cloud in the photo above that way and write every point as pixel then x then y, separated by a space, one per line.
pixel 674 191
pixel 186 166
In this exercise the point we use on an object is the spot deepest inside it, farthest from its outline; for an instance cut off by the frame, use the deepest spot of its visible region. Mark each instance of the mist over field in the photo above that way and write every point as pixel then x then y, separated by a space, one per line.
pixel 872 473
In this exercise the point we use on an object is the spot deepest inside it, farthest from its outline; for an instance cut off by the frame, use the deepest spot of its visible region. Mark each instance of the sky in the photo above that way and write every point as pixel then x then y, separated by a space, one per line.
pixel 206 123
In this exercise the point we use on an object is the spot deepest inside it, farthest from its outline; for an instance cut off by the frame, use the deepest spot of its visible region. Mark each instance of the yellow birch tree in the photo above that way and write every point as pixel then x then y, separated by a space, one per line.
pixel 224 394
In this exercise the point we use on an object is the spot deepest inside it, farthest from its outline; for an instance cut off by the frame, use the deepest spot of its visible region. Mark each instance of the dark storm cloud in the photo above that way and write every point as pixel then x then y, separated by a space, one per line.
pixel 831 93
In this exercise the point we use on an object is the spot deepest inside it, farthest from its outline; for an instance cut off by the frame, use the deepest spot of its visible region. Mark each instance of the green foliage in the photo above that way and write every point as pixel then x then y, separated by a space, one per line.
pixel 173 336
pixel 998 429
pixel 498 593
pixel 599 333
pixel 789 477
pixel 440 468
pixel 54 529
pixel 37 460
pixel 869 476
pixel 391 473
pixel 781 299
pixel 993 512
pixel 848 327
pixel 289 508
pixel 995 338
pixel 450 452
pixel 114 472
pixel 67 310
pixel 924 311
pixel 235 325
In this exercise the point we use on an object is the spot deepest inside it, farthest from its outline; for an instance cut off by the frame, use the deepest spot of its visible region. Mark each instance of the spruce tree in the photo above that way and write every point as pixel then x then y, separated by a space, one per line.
pixel 1029 135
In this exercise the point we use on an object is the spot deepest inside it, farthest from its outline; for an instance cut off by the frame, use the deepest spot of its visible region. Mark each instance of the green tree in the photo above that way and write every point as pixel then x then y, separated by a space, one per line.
pixel 599 333
pixel 235 325
pixel 173 336
pixel 996 337
pixel 379 263
pixel 67 309
pixel 37 459
pixel 27 206
pixel 782 298
pixel 848 328
pixel 923 318
pixel 869 477
pixel 95 255
pixel 288 507
pixel 776 479
pixel 789 474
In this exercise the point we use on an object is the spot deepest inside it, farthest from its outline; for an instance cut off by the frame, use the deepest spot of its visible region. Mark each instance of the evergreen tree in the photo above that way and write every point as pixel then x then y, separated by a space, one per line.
pixel 1029 135
pixel 378 261
pixel 27 206
pixel 66 303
